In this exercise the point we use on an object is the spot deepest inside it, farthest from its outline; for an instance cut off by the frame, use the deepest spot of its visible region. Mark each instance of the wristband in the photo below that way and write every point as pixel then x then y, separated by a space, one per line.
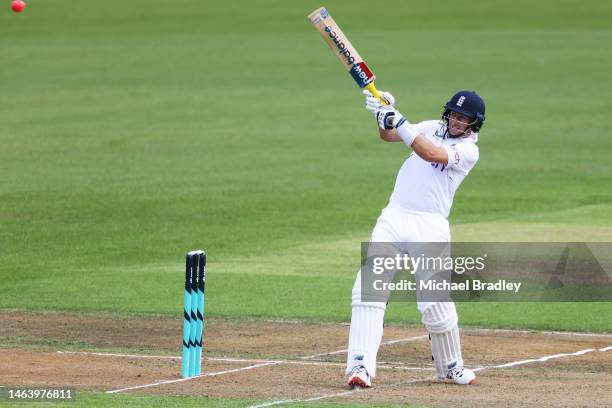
pixel 407 132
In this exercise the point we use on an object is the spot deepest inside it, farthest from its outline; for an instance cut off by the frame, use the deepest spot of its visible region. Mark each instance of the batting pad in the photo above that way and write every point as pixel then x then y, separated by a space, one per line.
pixel 440 319
pixel 365 336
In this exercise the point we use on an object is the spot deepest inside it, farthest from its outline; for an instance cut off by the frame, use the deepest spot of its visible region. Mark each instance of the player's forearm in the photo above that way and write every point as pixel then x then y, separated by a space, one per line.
pixel 421 146
pixel 428 151
pixel 389 135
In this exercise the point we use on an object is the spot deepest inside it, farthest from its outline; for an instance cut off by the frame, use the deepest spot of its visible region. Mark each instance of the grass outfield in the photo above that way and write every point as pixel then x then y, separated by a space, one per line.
pixel 133 134
pixel 87 399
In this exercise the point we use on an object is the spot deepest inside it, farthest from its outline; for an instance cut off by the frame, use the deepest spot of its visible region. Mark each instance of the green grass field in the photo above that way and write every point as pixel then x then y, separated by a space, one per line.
pixel 93 399
pixel 134 132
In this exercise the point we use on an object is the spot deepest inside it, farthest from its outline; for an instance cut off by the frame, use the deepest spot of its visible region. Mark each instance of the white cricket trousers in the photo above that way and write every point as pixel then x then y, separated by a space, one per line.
pixel 395 224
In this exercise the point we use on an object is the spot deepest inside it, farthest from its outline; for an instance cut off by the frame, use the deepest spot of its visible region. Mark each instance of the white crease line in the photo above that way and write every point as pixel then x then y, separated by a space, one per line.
pixel 511 364
pixel 100 354
pixel 241 369
pixel 269 404
pixel 326 396
pixel 239 360
pixel 191 378
pixel 330 364
pixel 421 337
pixel 541 359
pixel 357 389
pixel 225 359
pixel 393 366
pixel 331 353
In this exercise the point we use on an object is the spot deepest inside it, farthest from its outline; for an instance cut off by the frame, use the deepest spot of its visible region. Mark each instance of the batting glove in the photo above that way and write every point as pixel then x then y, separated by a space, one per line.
pixel 389 118
pixel 373 103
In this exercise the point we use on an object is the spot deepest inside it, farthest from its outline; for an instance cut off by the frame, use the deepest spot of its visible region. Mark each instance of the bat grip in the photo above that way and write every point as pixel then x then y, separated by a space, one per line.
pixel 372 88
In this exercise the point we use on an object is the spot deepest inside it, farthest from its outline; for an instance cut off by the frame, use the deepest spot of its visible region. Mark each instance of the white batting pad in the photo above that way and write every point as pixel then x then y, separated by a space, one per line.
pixel 365 336
pixel 440 319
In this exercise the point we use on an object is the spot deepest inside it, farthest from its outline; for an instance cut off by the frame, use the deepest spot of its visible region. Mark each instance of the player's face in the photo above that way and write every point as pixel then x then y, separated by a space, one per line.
pixel 458 123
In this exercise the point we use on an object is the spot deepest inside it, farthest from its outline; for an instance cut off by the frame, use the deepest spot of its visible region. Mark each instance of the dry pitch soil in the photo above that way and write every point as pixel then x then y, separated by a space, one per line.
pixel 272 360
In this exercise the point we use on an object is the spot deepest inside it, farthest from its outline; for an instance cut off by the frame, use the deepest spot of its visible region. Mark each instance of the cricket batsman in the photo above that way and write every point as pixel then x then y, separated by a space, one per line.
pixel 443 153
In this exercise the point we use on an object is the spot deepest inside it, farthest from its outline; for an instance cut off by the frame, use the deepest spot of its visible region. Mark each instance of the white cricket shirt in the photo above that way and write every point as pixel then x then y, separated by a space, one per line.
pixel 430 187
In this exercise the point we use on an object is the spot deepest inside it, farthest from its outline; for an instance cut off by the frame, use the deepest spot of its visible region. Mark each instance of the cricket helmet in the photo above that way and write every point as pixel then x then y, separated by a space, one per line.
pixel 467 103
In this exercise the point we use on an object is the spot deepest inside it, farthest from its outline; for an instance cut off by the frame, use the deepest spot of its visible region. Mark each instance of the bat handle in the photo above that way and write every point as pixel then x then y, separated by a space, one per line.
pixel 372 88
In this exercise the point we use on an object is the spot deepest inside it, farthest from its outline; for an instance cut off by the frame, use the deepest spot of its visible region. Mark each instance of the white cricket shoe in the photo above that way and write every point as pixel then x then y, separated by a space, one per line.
pixel 359 377
pixel 461 375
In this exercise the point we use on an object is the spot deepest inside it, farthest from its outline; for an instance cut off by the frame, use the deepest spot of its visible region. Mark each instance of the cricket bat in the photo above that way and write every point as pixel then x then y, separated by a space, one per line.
pixel 342 47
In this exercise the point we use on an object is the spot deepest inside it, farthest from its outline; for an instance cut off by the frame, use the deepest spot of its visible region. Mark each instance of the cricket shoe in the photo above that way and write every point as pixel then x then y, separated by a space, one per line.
pixel 359 377
pixel 461 375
